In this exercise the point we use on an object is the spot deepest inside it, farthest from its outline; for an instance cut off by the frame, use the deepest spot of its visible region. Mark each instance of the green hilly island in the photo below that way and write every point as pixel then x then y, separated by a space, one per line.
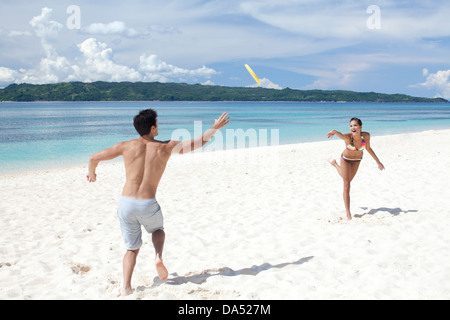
pixel 155 91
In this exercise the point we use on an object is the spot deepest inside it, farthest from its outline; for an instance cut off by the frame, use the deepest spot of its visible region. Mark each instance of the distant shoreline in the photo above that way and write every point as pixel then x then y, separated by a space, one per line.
pixel 225 101
pixel 162 92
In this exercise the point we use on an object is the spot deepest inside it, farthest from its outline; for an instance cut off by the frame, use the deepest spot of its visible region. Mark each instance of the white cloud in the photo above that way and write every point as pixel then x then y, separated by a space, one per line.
pixel 7 75
pixel 208 83
pixel 113 28
pixel 439 82
pixel 266 83
pixel 325 19
pixel 336 74
pixel 52 68
pixel 347 19
pixel 16 33
pixel 290 35
pixel 157 70
pixel 161 29
pixel 45 28
pixel 96 62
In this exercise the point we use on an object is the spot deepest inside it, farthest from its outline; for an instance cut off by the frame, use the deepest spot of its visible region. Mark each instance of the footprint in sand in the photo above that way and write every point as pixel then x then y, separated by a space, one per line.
pixel 80 269
pixel 6 264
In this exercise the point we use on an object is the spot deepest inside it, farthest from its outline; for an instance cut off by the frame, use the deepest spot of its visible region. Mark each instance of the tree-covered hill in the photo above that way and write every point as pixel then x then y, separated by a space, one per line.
pixel 149 91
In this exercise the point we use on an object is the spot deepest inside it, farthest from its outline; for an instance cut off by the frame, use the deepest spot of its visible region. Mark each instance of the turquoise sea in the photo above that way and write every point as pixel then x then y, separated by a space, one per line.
pixel 56 134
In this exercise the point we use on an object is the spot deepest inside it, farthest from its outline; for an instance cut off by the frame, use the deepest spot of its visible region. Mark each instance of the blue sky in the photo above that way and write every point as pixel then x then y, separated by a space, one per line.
pixel 302 44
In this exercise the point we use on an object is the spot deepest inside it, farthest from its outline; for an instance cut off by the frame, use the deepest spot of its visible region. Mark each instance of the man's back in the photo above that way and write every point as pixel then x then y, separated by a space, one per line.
pixel 145 163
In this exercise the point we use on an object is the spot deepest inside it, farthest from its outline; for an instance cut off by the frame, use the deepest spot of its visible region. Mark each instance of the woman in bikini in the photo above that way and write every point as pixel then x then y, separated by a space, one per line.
pixel 356 142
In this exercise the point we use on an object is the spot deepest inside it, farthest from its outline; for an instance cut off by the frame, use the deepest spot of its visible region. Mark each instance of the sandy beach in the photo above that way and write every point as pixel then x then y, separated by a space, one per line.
pixel 259 223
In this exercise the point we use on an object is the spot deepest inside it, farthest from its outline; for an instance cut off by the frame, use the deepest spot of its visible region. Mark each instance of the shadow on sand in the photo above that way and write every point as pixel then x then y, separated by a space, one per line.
pixel 199 278
pixel 393 211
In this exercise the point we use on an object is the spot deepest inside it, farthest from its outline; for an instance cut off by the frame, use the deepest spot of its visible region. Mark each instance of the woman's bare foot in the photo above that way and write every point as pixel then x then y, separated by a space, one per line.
pixel 125 292
pixel 332 161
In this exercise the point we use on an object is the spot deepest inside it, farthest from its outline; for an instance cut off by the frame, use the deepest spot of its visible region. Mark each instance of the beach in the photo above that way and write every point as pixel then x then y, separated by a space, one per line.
pixel 259 223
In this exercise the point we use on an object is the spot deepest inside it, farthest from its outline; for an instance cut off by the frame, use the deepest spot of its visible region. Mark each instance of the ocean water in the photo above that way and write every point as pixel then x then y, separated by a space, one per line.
pixel 56 134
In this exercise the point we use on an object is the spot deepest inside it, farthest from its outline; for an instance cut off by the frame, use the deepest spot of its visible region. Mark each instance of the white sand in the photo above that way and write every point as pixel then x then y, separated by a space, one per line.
pixel 241 224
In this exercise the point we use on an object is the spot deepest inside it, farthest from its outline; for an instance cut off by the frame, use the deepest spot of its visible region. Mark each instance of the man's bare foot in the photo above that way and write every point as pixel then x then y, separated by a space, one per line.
pixel 161 269
pixel 125 292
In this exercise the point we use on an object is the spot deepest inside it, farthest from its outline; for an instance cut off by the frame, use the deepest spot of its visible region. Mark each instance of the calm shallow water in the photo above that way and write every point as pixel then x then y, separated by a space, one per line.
pixel 47 134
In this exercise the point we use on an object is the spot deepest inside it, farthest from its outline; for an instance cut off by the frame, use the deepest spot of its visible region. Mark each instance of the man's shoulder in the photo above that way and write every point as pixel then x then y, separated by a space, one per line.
pixel 172 143
pixel 168 145
pixel 129 142
pixel 159 145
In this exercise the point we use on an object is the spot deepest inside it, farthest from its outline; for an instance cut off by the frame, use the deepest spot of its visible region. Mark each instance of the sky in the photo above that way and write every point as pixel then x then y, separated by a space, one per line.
pixel 387 46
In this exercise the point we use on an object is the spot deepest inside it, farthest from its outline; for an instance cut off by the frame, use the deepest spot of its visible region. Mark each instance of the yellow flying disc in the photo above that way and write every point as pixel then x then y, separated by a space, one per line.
pixel 252 74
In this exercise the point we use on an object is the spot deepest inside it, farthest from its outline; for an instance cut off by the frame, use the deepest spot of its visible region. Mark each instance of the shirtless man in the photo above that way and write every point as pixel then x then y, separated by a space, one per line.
pixel 145 161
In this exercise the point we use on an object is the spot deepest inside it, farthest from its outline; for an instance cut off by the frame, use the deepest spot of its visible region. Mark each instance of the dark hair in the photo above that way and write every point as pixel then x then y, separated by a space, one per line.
pixel 144 121
pixel 358 120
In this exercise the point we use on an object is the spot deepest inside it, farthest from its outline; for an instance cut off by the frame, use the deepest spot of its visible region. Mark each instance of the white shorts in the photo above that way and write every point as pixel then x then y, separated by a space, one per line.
pixel 133 214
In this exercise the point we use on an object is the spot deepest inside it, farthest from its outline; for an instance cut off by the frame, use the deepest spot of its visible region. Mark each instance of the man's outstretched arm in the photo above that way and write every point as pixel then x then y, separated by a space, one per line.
pixel 199 142
pixel 107 154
